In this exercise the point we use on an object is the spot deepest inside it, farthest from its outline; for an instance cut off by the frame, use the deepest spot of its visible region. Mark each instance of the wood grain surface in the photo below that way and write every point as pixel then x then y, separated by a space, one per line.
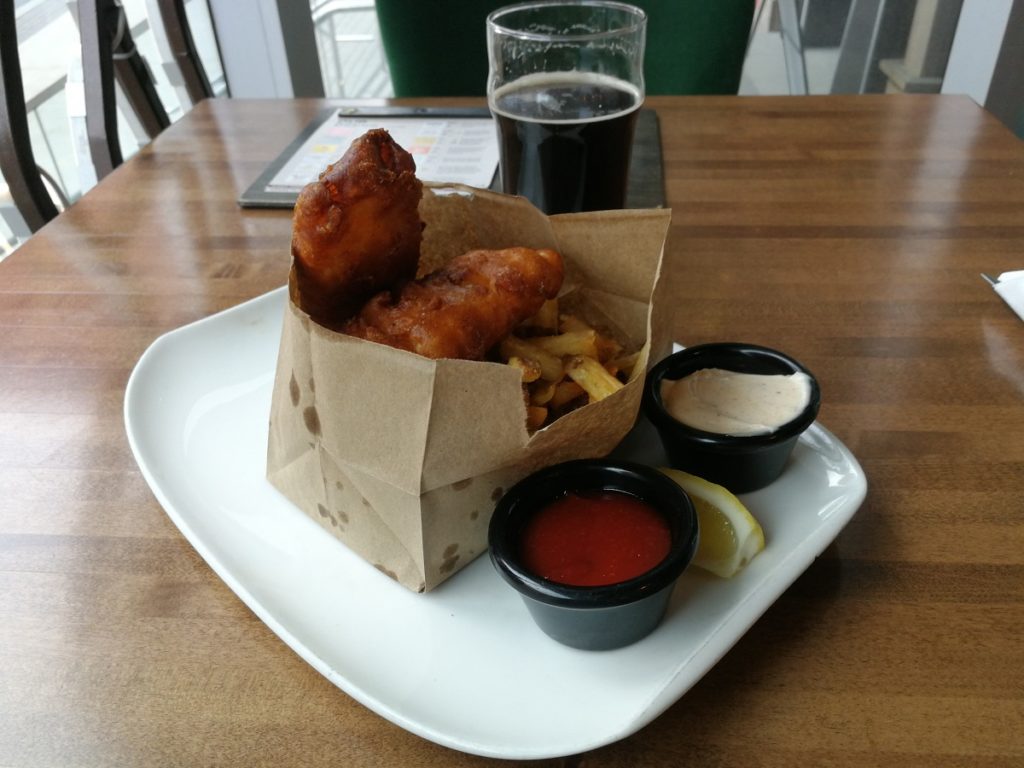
pixel 847 231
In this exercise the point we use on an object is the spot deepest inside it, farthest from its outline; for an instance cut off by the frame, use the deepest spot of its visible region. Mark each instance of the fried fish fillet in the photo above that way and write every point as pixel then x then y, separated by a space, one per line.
pixel 356 230
pixel 463 309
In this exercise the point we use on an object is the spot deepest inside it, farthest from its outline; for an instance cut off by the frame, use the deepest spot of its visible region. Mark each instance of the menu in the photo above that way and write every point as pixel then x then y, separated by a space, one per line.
pixel 448 146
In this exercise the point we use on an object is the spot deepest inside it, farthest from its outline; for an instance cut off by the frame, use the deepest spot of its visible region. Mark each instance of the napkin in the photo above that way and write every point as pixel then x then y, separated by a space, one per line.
pixel 1010 285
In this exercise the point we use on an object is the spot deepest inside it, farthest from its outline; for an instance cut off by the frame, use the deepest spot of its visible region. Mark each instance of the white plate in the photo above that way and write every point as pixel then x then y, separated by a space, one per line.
pixel 464 665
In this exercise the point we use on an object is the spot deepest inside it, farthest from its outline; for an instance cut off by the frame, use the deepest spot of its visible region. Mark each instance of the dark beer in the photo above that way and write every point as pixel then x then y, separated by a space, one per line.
pixel 565 139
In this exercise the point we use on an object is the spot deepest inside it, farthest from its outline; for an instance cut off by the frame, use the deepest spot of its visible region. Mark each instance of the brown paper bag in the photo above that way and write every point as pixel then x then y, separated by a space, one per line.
pixel 402 458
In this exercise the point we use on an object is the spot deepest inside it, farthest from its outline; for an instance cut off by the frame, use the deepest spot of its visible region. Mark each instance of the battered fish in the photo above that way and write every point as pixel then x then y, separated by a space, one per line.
pixel 463 309
pixel 356 231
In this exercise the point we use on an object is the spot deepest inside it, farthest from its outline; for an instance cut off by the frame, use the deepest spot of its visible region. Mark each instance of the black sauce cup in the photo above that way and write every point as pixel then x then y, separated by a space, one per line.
pixel 742 463
pixel 599 617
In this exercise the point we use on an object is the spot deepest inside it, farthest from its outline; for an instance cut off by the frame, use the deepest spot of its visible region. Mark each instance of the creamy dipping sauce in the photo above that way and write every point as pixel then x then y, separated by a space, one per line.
pixel 731 403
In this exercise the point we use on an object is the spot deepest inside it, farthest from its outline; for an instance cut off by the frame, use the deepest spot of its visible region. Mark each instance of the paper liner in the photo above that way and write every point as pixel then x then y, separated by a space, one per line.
pixel 403 458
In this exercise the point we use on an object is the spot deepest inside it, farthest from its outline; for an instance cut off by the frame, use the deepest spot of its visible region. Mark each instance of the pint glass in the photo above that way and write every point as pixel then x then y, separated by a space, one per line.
pixel 565 85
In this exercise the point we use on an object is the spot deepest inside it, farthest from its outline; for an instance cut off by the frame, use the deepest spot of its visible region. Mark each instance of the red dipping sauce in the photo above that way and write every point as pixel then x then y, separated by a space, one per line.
pixel 593 539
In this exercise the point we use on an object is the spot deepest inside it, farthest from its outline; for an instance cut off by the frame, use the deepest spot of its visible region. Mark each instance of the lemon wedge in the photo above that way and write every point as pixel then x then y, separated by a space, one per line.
pixel 730 537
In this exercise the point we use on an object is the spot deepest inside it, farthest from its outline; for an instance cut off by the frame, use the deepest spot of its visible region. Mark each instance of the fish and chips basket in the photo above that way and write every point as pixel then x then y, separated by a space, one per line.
pixel 402 458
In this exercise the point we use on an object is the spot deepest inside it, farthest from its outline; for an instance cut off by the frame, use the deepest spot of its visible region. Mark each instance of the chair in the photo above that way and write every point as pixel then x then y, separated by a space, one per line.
pixel 108 51
pixel 434 49
pixel 183 49
pixel 17 161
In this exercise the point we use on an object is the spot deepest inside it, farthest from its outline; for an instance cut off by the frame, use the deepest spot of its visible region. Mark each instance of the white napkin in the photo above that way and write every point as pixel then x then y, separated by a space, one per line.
pixel 1010 285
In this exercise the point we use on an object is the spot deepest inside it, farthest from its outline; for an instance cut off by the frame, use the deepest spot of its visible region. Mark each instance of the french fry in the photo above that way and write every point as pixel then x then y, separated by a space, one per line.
pixel 569 343
pixel 565 363
pixel 550 365
pixel 542 392
pixel 591 375
pixel 565 393
pixel 607 348
pixel 529 368
pixel 546 319
pixel 569 323
pixel 626 363
pixel 536 415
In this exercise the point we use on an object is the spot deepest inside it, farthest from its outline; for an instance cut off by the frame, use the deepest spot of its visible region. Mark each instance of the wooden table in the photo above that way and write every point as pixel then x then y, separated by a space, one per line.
pixel 849 231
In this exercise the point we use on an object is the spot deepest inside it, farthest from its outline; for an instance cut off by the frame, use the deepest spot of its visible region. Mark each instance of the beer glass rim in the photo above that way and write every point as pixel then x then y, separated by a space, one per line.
pixel 638 14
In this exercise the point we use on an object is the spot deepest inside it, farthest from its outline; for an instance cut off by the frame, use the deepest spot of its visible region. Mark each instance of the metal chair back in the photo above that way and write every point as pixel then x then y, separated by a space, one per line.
pixel 184 50
pixel 17 161
pixel 109 52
